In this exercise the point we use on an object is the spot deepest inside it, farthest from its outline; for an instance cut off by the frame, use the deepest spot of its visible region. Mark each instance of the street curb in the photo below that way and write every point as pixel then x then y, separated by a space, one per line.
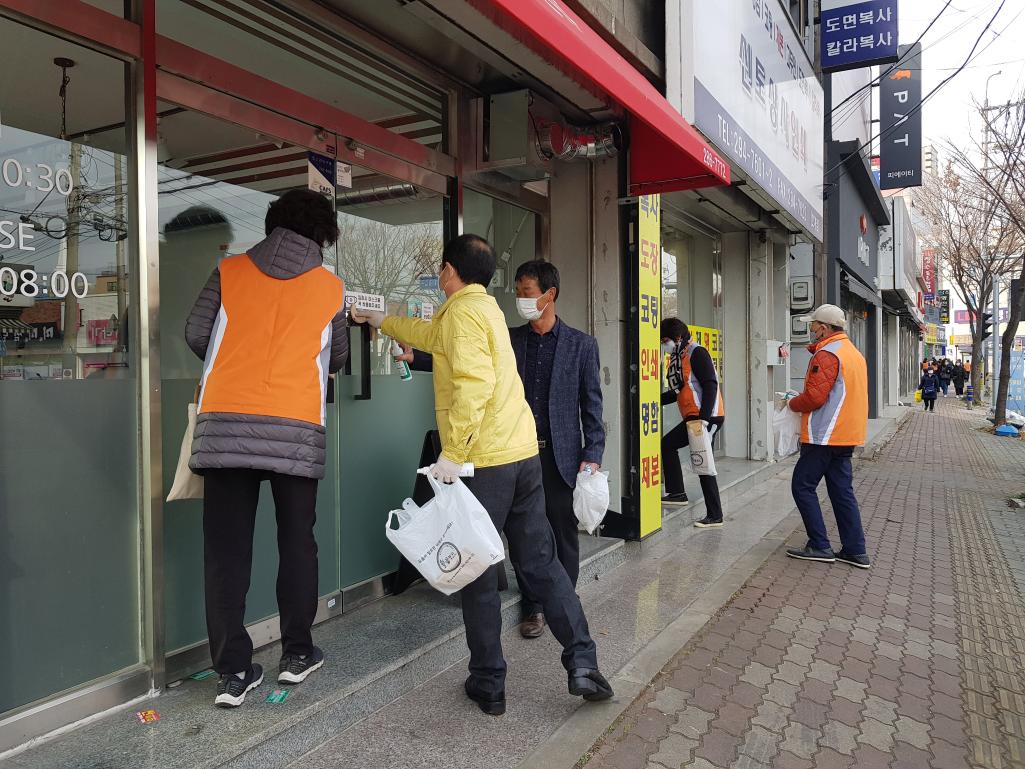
pixel 570 743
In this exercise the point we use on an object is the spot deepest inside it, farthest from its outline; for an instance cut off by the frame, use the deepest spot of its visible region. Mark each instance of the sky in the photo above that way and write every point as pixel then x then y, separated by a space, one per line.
pixel 947 115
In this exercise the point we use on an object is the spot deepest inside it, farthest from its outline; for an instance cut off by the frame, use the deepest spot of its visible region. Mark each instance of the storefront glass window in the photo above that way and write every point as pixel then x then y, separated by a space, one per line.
pixel 69 513
pixel 270 42
pixel 511 230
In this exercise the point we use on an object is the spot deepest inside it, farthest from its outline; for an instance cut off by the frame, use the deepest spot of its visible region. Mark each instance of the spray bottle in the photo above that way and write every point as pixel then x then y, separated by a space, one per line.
pixel 404 373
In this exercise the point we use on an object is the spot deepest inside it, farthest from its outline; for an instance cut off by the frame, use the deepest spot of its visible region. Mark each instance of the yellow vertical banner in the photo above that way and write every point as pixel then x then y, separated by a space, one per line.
pixel 649 304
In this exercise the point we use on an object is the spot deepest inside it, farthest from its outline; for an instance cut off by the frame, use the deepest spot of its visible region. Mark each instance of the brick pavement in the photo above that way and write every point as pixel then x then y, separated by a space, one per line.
pixel 915 663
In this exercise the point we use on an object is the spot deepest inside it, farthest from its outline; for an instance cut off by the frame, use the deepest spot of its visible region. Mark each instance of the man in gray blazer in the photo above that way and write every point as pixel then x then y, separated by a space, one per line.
pixel 559 367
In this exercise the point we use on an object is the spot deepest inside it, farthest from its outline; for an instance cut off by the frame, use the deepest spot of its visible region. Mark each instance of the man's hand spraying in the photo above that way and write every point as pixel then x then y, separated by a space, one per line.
pixel 363 315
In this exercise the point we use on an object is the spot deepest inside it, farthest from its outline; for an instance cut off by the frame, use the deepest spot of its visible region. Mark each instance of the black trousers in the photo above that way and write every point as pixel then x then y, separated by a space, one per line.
pixel 672 442
pixel 559 509
pixel 514 497
pixel 930 404
pixel 229 518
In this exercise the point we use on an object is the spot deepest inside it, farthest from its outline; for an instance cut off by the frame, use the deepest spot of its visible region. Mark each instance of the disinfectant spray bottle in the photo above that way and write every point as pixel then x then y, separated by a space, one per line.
pixel 404 373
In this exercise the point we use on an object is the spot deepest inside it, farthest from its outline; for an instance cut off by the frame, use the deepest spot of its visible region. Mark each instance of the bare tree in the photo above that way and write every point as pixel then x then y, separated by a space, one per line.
pixel 1001 174
pixel 972 243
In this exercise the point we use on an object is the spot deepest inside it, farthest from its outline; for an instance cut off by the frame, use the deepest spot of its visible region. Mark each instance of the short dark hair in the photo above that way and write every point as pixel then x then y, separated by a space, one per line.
pixel 545 273
pixel 305 213
pixel 472 257
pixel 673 328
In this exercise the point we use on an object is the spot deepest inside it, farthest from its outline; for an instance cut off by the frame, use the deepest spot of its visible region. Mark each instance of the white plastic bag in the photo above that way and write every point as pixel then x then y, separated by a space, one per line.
pixel 591 499
pixel 701 458
pixel 787 425
pixel 451 540
pixel 187 485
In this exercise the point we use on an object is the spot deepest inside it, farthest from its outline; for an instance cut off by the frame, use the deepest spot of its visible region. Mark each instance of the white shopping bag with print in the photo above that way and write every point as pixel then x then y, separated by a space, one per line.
pixel 701 459
pixel 451 540
pixel 591 499
pixel 187 485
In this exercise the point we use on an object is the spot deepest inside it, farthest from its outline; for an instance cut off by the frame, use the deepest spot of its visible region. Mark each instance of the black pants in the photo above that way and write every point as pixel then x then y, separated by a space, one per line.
pixel 229 518
pixel 930 404
pixel 959 387
pixel 559 508
pixel 515 499
pixel 672 442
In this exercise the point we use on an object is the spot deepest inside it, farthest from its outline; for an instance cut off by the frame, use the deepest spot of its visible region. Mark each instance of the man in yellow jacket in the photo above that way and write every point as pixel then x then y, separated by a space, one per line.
pixel 484 419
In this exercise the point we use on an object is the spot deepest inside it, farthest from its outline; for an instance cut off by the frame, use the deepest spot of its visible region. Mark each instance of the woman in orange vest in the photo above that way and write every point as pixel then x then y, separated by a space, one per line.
pixel 270 326
pixel 834 406
pixel 694 386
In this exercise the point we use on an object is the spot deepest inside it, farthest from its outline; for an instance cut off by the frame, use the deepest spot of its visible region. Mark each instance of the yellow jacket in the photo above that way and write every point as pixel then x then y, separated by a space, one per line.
pixel 481 410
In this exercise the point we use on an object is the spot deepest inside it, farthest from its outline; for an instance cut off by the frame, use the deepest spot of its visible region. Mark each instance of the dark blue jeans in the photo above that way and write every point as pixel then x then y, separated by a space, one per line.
pixel 833 463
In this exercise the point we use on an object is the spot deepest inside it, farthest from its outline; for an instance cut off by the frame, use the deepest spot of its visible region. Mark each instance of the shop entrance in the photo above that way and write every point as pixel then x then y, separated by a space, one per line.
pixel 216 179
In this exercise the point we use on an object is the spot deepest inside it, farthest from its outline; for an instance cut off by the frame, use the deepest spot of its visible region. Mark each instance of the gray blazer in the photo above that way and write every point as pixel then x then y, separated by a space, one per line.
pixel 574 400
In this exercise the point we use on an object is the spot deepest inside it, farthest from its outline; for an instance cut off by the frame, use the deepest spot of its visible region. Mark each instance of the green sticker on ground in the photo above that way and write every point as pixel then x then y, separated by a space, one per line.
pixel 202 675
pixel 277 696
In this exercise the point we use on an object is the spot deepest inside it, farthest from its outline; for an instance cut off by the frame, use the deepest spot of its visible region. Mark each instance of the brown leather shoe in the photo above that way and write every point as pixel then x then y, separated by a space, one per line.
pixel 533 626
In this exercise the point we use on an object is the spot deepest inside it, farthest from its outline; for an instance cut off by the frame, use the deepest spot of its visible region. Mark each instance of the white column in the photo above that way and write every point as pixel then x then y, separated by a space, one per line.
pixel 760 319
pixel 895 354
pixel 735 257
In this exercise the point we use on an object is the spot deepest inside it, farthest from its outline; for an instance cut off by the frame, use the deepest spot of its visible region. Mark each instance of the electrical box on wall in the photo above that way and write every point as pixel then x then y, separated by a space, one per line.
pixel 507 134
pixel 802 295
pixel 799 331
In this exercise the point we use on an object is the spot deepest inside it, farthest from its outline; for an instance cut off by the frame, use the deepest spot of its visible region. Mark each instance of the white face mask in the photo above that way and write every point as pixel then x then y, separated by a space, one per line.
pixel 527 308
pixel 668 347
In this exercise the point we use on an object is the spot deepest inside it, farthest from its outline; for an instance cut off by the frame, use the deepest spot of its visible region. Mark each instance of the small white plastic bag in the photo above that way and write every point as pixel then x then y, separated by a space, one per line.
pixel 591 499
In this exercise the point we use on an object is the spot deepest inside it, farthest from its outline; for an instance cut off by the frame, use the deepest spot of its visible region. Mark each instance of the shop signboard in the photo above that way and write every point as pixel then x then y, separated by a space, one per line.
pixel 711 340
pixel 763 107
pixel 966 316
pixel 929 270
pixel 943 300
pixel 649 293
pixel 1016 385
pixel 900 122
pixel 933 335
pixel 858 34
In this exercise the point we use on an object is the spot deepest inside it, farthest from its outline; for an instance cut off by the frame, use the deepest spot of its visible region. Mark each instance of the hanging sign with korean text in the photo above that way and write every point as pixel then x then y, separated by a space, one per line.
pixel 859 34
pixel 900 122
pixel 649 387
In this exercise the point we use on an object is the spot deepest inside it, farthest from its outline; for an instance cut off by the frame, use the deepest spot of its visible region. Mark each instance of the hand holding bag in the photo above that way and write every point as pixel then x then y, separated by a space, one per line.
pixel 187 485
pixel 591 499
pixel 451 540
pixel 787 424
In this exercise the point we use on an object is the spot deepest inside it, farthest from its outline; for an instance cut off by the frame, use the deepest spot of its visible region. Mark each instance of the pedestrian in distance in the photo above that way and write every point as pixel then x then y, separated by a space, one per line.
pixel 694 386
pixel 958 378
pixel 929 385
pixel 270 325
pixel 945 372
pixel 560 370
pixel 834 409
pixel 484 418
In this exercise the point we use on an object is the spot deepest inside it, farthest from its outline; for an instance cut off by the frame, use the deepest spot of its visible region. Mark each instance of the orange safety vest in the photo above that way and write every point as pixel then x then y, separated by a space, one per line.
pixel 843 418
pixel 271 343
pixel 689 397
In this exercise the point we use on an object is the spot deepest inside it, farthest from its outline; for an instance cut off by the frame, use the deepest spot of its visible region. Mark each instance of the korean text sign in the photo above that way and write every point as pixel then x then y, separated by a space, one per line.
pixel 649 390
pixel 858 34
pixel 900 122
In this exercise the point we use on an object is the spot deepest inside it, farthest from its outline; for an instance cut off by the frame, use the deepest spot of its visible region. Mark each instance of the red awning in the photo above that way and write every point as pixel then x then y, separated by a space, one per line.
pixel 666 152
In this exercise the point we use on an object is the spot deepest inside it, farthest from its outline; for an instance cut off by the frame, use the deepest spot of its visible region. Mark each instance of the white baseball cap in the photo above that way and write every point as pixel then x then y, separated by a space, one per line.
pixel 829 314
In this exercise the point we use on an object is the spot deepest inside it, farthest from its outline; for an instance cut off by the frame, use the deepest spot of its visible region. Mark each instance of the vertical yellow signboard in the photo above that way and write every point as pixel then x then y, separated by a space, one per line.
pixel 649 304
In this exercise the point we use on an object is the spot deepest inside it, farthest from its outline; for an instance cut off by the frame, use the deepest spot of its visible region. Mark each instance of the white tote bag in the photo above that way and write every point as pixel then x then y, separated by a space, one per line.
pixel 187 485
pixel 701 458
pixel 787 425
pixel 591 499
pixel 451 540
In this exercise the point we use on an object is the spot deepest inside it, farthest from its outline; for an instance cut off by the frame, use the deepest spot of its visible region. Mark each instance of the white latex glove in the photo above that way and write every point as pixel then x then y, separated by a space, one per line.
pixel 362 315
pixel 445 470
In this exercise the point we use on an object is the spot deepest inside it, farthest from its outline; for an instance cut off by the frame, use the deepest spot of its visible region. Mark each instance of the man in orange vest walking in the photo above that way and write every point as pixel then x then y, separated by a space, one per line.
pixel 834 406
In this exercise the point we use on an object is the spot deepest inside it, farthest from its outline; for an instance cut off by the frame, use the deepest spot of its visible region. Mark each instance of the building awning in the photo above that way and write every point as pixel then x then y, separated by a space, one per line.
pixel 667 154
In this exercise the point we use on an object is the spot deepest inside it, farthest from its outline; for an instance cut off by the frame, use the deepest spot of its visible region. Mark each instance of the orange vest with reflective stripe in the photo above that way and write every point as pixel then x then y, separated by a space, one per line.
pixel 843 418
pixel 689 397
pixel 271 343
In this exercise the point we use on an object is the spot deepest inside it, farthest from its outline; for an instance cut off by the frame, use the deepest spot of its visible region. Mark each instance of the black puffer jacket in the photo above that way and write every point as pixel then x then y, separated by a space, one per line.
pixel 244 441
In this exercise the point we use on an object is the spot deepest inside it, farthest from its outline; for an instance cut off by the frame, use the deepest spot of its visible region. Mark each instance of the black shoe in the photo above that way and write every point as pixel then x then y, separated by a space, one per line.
pixel 708 523
pixel 294 669
pixel 589 684
pixel 809 553
pixel 533 625
pixel 489 703
pixel 678 500
pixel 232 690
pixel 858 561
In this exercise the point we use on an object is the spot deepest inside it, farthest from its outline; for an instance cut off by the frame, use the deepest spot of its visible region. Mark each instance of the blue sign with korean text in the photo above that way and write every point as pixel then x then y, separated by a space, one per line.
pixel 859 35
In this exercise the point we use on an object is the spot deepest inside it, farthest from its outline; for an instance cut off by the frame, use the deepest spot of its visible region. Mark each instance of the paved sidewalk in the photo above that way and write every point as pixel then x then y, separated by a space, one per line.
pixel 916 663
